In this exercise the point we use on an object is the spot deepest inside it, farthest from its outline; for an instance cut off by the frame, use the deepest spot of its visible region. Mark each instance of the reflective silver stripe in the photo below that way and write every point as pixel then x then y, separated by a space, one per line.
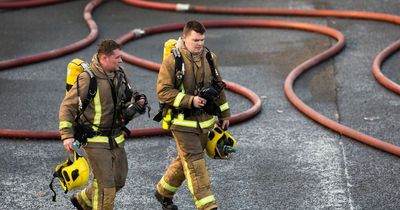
pixel 224 107
pixel 178 99
pixel 205 201
pixel 97 111
pixel 191 123
pixel 104 139
pixel 64 124
pixel 167 186
pixel 85 198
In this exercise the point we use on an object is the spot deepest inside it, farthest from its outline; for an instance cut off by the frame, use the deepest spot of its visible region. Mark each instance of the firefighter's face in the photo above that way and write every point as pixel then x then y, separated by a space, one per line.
pixel 111 62
pixel 194 41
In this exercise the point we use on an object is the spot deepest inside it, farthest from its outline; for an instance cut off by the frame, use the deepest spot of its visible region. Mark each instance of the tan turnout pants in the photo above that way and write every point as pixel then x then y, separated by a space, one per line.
pixel 189 165
pixel 110 168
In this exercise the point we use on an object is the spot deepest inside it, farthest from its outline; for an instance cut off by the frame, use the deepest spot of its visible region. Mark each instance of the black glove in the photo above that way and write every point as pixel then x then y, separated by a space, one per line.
pixel 132 111
pixel 211 95
pixel 145 104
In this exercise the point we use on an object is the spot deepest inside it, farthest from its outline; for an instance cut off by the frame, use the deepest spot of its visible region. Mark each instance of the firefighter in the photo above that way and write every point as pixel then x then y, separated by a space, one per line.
pixel 99 124
pixel 181 90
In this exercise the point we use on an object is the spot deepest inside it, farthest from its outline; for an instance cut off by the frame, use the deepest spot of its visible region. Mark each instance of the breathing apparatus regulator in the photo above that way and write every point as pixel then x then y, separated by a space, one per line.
pixel 72 173
pixel 220 144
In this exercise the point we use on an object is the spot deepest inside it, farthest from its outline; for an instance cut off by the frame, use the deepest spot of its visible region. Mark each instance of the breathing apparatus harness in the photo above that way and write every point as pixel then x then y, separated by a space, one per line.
pixel 209 91
pixel 82 132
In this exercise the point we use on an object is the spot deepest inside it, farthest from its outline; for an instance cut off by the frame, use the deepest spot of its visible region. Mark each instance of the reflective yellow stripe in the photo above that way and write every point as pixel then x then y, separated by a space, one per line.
pixel 120 139
pixel 167 186
pixel 224 107
pixel 85 198
pixel 64 124
pixel 97 111
pixel 188 178
pixel 104 139
pixel 178 99
pixel 191 123
pixel 95 195
pixel 207 123
pixel 205 201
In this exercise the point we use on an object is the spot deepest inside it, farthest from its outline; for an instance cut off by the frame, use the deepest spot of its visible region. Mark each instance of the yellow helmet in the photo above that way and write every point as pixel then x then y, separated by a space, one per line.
pixel 73 174
pixel 220 144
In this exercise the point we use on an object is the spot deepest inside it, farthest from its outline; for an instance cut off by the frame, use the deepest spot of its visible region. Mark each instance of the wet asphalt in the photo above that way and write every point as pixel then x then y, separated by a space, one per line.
pixel 284 159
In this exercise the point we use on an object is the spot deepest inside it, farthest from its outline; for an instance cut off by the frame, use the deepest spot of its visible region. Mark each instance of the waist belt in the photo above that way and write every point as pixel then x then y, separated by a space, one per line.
pixel 104 132
pixel 188 112
pixel 104 139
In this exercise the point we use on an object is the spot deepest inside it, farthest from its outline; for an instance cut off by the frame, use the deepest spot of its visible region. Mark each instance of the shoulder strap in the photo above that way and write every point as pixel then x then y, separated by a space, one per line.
pixel 179 66
pixel 211 63
pixel 91 91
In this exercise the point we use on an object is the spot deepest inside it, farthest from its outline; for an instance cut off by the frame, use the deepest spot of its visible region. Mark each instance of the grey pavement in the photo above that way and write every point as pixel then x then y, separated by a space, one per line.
pixel 284 159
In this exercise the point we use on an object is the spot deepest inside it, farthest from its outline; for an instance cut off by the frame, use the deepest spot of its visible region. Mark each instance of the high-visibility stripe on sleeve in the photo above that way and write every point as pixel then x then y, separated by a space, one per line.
pixel 224 107
pixel 97 111
pixel 178 99
pixel 204 201
pixel 167 186
pixel 64 124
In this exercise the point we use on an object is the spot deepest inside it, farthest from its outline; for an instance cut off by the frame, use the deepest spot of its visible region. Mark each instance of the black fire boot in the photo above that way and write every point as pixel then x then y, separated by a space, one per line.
pixel 166 203
pixel 75 202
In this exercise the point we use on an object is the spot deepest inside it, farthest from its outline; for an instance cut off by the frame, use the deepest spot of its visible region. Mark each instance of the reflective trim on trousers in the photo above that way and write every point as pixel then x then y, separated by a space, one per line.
pixel 95 199
pixel 167 186
pixel 104 139
pixel 188 178
pixel 64 124
pixel 204 201
pixel 85 198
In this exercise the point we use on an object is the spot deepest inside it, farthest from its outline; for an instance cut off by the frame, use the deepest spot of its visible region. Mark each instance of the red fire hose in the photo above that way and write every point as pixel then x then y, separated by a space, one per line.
pixel 288 88
pixel 5 64
pixel 298 70
pixel 379 59
pixel 26 3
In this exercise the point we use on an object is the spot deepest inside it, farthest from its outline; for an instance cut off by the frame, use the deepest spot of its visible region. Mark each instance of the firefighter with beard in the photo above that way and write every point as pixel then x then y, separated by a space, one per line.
pixel 99 124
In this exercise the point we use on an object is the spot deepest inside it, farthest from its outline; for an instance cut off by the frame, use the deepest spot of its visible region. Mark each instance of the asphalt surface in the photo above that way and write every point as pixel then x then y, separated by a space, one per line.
pixel 284 159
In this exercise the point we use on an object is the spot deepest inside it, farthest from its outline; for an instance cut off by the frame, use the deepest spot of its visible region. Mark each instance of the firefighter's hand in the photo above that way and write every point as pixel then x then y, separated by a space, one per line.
pixel 199 102
pixel 141 102
pixel 224 124
pixel 68 144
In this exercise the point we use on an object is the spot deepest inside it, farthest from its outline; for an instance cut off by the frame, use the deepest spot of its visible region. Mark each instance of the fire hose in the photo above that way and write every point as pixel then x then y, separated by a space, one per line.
pixel 288 86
